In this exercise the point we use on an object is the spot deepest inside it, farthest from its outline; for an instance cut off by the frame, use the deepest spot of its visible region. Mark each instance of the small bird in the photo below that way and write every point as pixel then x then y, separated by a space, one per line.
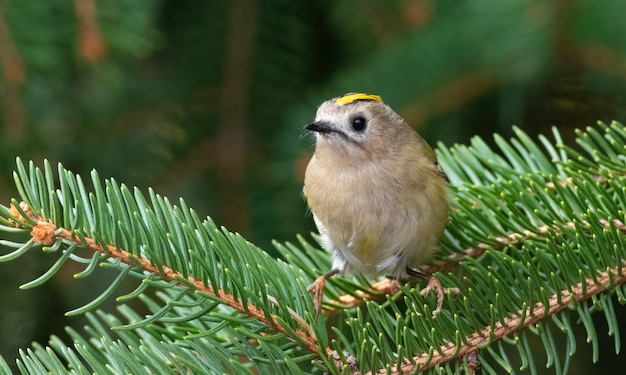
pixel 377 193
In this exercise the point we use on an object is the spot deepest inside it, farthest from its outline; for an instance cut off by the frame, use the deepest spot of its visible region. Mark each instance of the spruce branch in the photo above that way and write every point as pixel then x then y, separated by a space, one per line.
pixel 388 286
pixel 565 299
pixel 529 240
pixel 45 233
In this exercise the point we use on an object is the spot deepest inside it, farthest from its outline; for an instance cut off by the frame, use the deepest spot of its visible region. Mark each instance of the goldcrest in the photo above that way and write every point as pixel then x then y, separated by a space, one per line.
pixel 377 193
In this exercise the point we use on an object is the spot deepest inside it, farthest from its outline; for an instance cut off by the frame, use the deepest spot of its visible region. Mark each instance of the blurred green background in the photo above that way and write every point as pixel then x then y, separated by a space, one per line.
pixel 206 100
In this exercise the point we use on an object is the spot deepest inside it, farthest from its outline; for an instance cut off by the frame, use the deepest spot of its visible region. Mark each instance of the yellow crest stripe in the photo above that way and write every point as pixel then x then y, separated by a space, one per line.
pixel 351 98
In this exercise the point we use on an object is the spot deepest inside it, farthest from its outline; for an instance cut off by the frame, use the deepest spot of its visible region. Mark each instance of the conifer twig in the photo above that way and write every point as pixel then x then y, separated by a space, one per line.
pixel 516 322
pixel 44 233
pixel 387 286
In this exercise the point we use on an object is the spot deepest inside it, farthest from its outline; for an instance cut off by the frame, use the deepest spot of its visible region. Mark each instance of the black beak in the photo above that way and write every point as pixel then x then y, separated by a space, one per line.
pixel 320 127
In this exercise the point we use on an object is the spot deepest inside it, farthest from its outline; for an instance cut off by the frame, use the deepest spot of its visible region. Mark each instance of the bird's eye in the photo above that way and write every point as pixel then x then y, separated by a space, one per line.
pixel 358 123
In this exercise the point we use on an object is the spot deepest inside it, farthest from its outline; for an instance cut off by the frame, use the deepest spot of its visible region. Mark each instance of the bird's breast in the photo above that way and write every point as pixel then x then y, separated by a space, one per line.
pixel 364 214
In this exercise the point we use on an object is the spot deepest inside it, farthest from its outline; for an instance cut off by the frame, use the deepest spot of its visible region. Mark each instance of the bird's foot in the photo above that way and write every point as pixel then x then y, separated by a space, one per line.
pixel 435 285
pixel 317 288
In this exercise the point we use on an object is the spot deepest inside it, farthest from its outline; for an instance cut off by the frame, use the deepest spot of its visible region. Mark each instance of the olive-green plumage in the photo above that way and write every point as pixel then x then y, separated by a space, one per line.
pixel 376 191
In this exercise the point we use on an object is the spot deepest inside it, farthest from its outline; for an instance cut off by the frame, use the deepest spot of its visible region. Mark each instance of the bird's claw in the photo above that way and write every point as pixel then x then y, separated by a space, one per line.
pixel 435 285
pixel 317 288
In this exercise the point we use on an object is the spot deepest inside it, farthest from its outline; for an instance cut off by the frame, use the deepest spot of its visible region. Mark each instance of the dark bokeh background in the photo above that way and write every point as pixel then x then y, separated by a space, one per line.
pixel 207 99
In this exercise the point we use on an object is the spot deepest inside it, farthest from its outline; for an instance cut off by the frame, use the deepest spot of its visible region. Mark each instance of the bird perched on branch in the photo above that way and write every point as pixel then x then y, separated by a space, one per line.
pixel 377 193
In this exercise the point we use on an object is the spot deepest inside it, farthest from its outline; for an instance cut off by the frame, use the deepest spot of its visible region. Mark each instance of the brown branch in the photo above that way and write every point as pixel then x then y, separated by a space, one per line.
pixel 90 40
pixel 44 231
pixel 231 143
pixel 14 74
pixel 558 302
pixel 448 96
pixel 12 65
pixel 513 323
pixel 603 59
pixel 387 286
